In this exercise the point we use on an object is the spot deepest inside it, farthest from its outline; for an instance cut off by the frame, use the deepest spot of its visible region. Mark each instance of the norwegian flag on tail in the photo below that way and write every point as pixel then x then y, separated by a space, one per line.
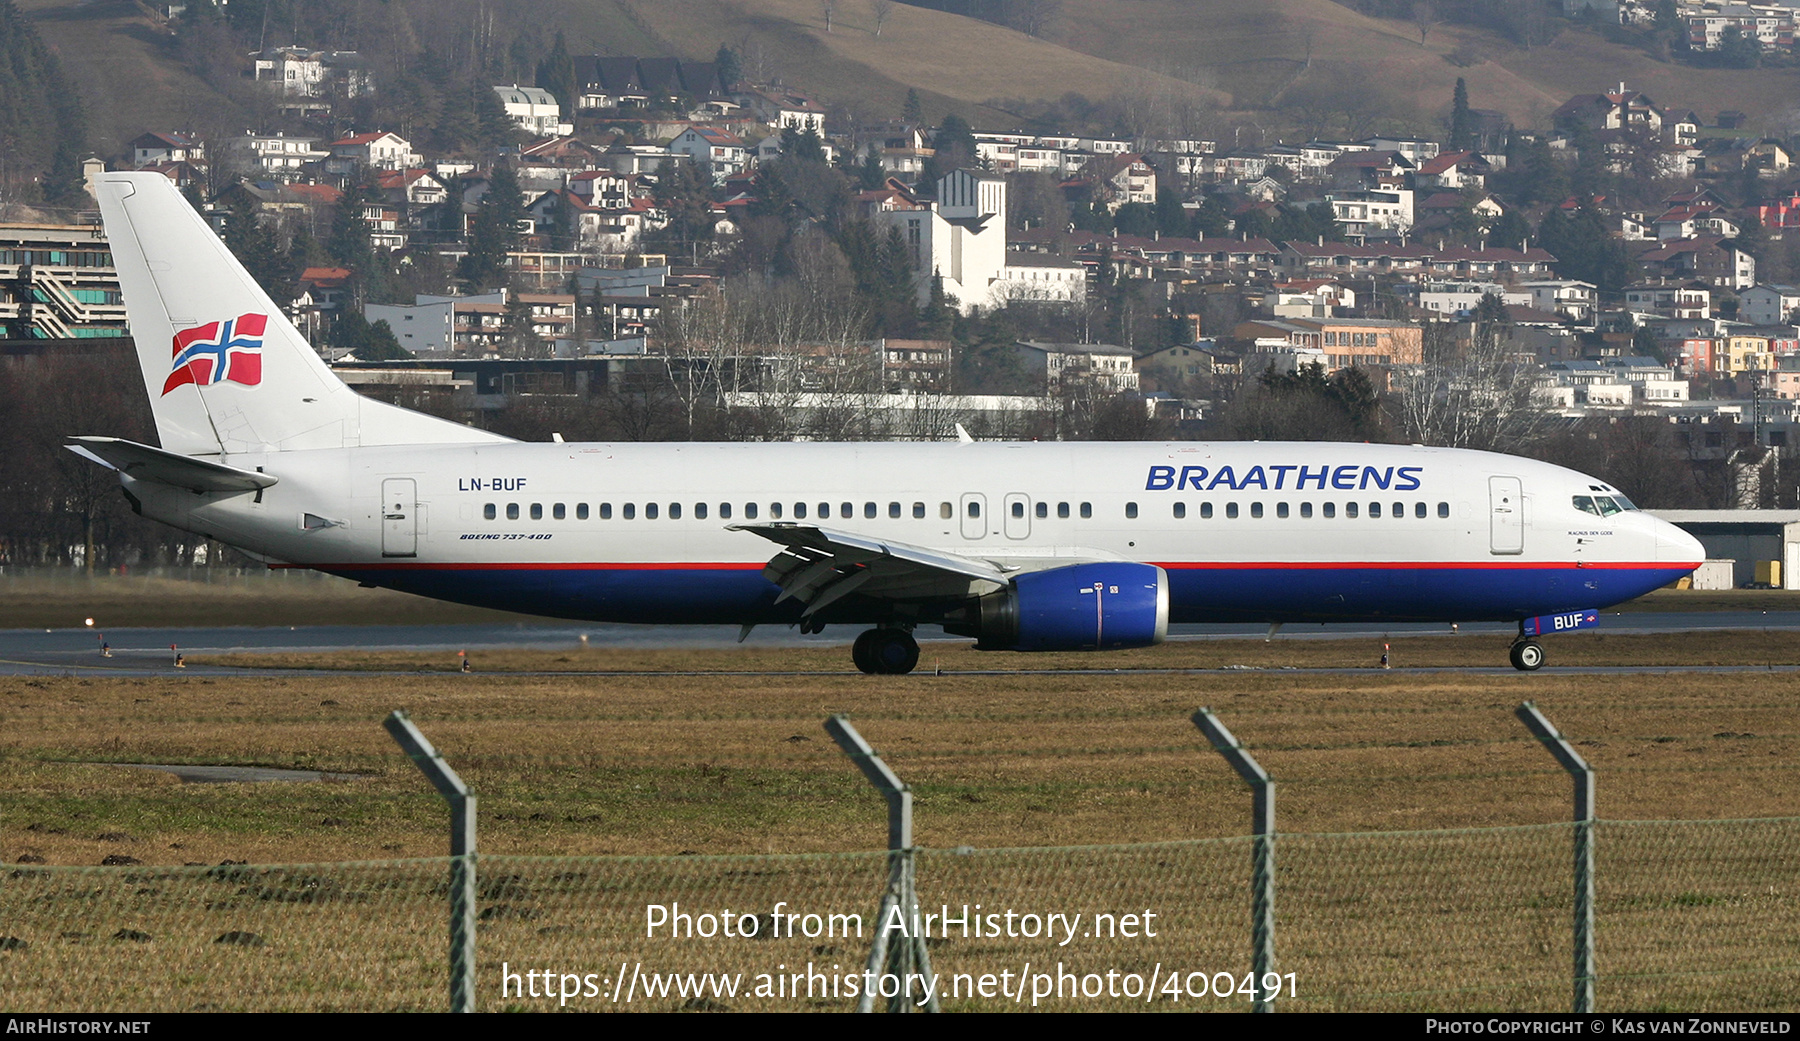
pixel 219 351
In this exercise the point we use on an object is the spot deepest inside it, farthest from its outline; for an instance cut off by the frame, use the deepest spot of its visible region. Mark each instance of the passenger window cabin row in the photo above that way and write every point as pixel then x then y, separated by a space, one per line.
pixel 947 511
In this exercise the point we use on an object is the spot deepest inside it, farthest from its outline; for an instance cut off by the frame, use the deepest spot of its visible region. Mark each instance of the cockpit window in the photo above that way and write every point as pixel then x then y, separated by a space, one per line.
pixel 1603 505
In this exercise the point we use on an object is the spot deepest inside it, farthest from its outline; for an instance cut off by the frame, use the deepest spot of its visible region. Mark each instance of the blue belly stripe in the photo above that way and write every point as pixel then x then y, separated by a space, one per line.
pixel 676 595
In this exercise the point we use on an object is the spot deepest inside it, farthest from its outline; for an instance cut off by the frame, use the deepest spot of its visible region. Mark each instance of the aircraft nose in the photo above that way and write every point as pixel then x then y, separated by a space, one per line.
pixel 1674 546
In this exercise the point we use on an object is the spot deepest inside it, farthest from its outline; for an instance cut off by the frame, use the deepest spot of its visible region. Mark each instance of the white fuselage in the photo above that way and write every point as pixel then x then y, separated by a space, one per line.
pixel 643 532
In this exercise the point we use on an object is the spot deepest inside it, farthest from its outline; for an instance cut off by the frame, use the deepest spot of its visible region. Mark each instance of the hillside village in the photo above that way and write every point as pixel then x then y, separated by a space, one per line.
pixel 664 249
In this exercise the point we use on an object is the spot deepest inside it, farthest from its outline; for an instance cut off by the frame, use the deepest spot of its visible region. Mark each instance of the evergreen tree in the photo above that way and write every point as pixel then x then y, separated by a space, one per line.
pixel 1585 249
pixel 913 111
pixel 494 129
pixel 347 242
pixel 1737 51
pixel 804 145
pixel 730 66
pixel 871 175
pixel 493 232
pixel 370 342
pixel 1136 218
pixel 42 124
pixel 1171 216
pixel 1510 230
pixel 556 74
pixel 1544 180
pixel 685 194
pixel 1461 123
pixel 957 139
pixel 258 248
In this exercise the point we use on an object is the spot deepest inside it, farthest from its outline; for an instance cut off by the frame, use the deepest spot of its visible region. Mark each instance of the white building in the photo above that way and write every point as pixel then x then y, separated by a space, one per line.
pixel 959 239
pixel 273 156
pixel 535 110
pixel 721 152
pixel 380 150
pixel 1373 212
pixel 298 72
pixel 1565 297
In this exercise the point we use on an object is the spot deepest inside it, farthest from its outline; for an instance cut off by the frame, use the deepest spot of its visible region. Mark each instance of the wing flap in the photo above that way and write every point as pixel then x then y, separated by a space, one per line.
pixel 819 566
pixel 155 464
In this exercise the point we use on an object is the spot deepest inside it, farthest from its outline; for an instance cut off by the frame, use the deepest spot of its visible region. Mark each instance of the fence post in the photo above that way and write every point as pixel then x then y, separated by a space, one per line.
pixel 901 952
pixel 462 854
pixel 1583 775
pixel 1262 856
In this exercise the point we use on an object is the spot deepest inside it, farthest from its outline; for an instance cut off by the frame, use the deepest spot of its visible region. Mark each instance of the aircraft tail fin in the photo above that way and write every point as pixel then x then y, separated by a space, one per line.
pixel 225 370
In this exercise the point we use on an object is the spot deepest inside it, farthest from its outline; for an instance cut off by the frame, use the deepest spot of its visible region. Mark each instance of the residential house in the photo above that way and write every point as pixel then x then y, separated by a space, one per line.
pixel 1344 341
pixel 1372 212
pixel 301 72
pixel 603 188
pixel 722 153
pixel 272 156
pixel 581 225
pixel 1370 169
pixel 1564 297
pixel 319 298
pixel 1416 149
pixel 1709 258
pixel 410 191
pixel 782 108
pixel 1167 368
pixel 155 147
pixel 1118 180
pixel 1452 171
pixel 1772 27
pixel 1768 304
pixel 374 151
pixel 1309 298
pixel 1059 366
pixel 1615 110
pixel 1670 299
pixel 629 82
pixel 919 366
pixel 533 110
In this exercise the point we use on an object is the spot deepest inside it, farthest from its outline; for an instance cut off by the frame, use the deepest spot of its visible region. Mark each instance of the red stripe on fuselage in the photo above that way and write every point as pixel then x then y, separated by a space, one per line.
pixel 1209 565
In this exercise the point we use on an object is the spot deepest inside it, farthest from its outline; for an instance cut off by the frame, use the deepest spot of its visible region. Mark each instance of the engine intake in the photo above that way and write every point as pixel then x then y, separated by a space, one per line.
pixel 1084 607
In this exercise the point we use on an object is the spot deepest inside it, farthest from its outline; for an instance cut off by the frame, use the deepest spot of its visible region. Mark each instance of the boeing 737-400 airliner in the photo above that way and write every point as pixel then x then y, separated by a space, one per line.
pixel 1020 546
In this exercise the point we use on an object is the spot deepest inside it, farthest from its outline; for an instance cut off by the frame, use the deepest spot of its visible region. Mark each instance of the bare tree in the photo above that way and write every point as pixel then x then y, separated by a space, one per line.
pixel 1424 18
pixel 1469 394
pixel 882 10
pixel 828 7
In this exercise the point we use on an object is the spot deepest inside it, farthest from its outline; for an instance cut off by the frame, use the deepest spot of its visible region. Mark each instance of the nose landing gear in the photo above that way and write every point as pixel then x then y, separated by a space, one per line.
pixel 885 652
pixel 1526 655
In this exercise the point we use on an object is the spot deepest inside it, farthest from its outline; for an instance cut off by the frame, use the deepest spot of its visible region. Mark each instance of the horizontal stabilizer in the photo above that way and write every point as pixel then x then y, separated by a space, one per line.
pixel 153 464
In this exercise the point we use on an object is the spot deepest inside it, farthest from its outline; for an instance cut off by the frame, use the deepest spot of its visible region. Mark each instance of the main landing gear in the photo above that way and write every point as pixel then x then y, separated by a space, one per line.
pixel 1526 655
pixel 890 652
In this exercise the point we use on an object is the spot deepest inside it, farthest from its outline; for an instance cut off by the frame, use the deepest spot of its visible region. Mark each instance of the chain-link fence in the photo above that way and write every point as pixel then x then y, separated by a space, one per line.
pixel 1691 915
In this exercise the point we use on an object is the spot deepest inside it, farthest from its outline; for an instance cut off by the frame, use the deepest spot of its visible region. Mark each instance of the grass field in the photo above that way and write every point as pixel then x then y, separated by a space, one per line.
pixel 731 773
pixel 1243 57
pixel 716 761
pixel 1423 862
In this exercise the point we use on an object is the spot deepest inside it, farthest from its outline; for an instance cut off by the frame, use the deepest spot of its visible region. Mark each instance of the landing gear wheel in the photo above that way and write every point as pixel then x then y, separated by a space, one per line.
pixel 862 651
pixel 1526 656
pixel 885 652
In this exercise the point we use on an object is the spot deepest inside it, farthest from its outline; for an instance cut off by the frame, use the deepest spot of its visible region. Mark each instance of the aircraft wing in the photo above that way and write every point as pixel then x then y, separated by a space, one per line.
pixel 818 566
pixel 155 464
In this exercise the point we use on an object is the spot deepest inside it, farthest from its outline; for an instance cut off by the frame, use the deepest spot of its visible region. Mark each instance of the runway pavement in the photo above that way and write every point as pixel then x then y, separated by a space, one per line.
pixel 142 652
